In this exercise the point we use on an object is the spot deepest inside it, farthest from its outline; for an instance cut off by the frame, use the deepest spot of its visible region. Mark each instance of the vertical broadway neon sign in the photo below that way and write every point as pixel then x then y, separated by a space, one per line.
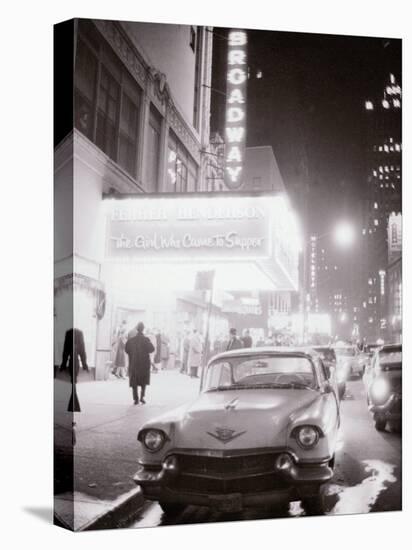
pixel 235 129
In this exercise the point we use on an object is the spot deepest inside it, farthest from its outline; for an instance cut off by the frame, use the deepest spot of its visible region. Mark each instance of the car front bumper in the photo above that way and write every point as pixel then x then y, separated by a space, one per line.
pixel 298 482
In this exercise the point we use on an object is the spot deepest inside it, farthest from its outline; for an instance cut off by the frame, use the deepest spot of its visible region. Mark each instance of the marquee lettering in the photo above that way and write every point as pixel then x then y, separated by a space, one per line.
pixel 235 107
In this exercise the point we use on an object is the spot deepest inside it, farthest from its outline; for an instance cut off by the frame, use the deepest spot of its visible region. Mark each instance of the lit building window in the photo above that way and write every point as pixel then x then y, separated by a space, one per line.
pixel 375 205
pixel 396 103
pixel 386 148
pixel 385 104
pixel 397 147
pixel 375 173
pixel 392 78
pixel 363 233
pixel 364 305
pixel 386 168
pixel 370 281
pixel 376 222
pixel 390 140
pixel 369 105
pixel 371 320
pixel 380 148
pixel 381 169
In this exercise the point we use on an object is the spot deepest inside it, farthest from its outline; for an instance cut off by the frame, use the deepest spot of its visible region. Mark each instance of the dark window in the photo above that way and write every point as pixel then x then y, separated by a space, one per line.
pixel 181 169
pixel 128 130
pixel 153 149
pixel 198 82
pixel 193 38
pixel 107 113
pixel 107 99
pixel 85 93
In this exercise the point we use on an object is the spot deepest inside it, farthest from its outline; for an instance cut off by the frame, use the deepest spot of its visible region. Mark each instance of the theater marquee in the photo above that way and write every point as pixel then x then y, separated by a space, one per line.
pixel 176 228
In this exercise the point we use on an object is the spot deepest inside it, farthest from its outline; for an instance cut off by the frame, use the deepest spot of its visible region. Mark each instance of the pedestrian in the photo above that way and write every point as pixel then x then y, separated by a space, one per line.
pixel 164 351
pixel 74 352
pixel 152 337
pixel 120 353
pixel 139 348
pixel 185 356
pixel 195 354
pixel 247 339
pixel 234 341
pixel 261 342
pixel 158 346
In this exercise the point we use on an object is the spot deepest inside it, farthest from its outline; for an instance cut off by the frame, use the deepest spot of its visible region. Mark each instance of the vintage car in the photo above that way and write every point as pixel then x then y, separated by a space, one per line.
pixel 262 432
pixel 383 385
pixel 349 360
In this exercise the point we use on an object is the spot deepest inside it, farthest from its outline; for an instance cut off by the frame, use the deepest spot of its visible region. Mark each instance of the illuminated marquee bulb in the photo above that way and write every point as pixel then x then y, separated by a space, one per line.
pixel 234 155
pixel 235 114
pixel 237 38
pixel 234 172
pixel 236 96
pixel 236 76
pixel 235 135
pixel 237 57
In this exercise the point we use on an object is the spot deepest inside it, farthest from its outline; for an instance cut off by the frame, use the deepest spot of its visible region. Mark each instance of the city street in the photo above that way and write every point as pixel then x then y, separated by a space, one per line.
pixel 367 474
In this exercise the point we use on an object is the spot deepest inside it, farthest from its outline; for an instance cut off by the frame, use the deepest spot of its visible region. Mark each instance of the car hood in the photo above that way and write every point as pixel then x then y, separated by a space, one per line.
pixel 231 419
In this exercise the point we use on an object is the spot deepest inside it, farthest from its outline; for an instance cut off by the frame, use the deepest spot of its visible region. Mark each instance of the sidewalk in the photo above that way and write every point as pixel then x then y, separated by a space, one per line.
pixel 106 451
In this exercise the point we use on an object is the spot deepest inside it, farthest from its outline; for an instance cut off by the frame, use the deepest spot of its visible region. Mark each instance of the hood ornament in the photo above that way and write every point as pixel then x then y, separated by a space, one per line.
pixel 232 404
pixel 225 435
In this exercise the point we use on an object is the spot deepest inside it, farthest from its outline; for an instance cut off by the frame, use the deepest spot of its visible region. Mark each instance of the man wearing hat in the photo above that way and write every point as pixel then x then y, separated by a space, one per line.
pixel 139 348
pixel 234 341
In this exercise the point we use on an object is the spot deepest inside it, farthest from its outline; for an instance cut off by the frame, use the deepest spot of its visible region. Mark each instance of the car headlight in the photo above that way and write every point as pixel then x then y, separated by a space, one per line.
pixel 380 390
pixel 307 436
pixel 153 440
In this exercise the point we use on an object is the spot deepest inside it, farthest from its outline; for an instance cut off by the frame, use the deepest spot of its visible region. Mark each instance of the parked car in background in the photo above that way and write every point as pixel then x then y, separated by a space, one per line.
pixel 383 384
pixel 329 360
pixel 368 351
pixel 263 431
pixel 349 360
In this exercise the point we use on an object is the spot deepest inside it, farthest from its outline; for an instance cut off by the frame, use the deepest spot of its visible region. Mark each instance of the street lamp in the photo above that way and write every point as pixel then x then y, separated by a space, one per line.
pixel 344 234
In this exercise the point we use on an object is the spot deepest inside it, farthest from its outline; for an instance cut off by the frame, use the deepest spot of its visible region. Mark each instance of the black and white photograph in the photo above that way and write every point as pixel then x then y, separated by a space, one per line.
pixel 204 242
pixel 228 281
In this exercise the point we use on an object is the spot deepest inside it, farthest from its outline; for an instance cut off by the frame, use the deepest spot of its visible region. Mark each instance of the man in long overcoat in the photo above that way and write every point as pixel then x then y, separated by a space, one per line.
pixel 139 348
pixel 74 352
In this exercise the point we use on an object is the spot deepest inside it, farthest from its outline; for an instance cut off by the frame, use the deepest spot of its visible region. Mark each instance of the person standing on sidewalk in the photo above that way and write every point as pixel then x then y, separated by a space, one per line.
pixel 234 341
pixel 139 349
pixel 195 354
pixel 120 353
pixel 247 339
pixel 164 350
pixel 74 353
pixel 185 356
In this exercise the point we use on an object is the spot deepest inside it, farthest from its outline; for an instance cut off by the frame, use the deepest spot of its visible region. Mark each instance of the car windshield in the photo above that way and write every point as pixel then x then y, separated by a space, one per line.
pixel 262 371
pixel 345 352
pixel 391 357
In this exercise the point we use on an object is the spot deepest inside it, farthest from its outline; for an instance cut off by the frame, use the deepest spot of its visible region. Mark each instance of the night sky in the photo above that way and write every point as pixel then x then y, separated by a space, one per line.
pixel 309 105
